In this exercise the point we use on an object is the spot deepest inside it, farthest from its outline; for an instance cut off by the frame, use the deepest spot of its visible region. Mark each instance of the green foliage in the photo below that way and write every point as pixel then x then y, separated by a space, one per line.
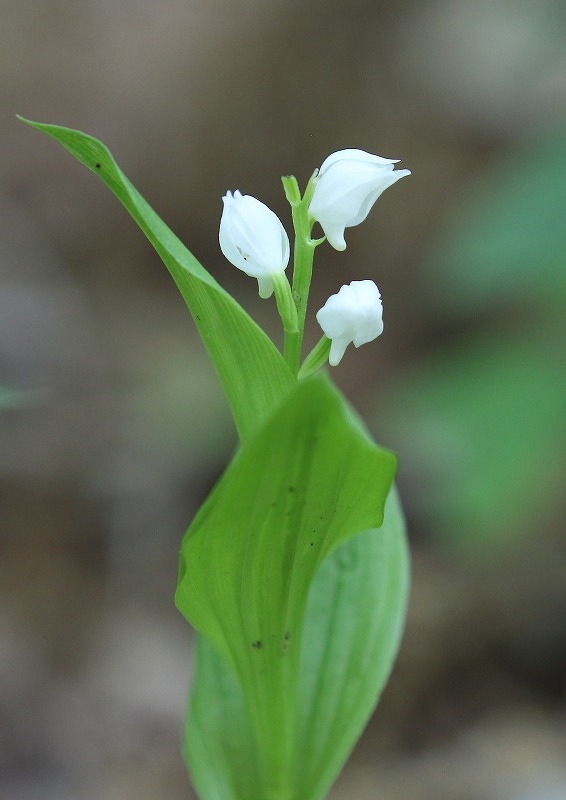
pixel 353 623
pixel 307 481
pixel 253 372
pixel 248 561
pixel 354 620
pixel 220 747
pixel 299 614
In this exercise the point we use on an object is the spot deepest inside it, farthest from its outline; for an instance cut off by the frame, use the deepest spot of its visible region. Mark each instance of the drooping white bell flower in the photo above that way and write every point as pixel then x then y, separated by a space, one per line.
pixel 253 239
pixel 354 314
pixel 349 183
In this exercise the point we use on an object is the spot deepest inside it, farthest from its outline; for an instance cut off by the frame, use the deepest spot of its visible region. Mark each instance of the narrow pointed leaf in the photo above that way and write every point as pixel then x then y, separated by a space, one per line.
pixel 254 375
pixel 310 479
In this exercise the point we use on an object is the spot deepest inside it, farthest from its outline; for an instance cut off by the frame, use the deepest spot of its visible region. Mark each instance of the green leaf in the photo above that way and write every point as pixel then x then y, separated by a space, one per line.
pixel 219 745
pixel 254 375
pixel 354 618
pixel 309 480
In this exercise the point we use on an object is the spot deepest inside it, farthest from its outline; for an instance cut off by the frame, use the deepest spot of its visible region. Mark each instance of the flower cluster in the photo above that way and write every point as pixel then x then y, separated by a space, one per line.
pixel 340 195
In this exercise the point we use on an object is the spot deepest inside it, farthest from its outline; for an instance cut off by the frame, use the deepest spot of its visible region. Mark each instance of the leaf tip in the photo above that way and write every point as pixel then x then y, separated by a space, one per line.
pixel 30 122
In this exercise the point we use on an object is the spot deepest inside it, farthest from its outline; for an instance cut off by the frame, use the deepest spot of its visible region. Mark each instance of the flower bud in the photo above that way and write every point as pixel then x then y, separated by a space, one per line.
pixel 349 183
pixel 354 314
pixel 253 239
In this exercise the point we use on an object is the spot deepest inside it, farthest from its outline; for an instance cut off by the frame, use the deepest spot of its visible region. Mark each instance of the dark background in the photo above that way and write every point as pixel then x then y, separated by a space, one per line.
pixel 113 427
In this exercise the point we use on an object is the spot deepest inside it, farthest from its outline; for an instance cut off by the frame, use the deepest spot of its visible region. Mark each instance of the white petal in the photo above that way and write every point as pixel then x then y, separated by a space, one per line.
pixel 337 350
pixel 348 185
pixel 258 233
pixel 228 245
pixel 335 235
pixel 252 238
pixel 353 154
pixel 387 180
pixel 265 285
pixel 353 314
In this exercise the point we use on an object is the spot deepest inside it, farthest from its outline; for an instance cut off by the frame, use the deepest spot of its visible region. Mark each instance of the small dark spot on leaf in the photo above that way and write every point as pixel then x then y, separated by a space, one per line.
pixel 197 316
pixel 287 636
pixel 257 644
pixel 312 544
pixel 98 166
pixel 274 504
pixel 291 488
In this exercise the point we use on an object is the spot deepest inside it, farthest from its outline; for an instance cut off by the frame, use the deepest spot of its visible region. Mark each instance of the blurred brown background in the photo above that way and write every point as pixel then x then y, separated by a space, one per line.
pixel 113 427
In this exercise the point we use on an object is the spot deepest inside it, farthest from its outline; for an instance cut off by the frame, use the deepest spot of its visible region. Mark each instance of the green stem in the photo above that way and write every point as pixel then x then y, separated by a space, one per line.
pixel 302 263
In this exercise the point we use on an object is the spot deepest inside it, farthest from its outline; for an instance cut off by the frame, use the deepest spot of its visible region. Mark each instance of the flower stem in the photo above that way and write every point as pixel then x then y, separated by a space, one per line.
pixel 302 263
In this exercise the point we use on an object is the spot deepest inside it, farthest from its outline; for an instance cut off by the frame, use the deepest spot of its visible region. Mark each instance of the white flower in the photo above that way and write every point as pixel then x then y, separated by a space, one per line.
pixel 253 239
pixel 349 183
pixel 353 315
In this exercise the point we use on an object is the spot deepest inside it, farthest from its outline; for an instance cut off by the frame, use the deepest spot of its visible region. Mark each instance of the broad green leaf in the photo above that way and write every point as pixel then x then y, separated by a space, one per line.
pixel 219 745
pixel 355 617
pixel 353 624
pixel 309 480
pixel 254 375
